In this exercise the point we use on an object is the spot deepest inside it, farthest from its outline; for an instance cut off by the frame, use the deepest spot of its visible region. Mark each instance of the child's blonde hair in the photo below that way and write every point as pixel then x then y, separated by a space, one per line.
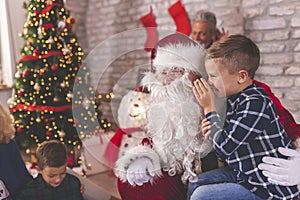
pixel 7 131
pixel 237 52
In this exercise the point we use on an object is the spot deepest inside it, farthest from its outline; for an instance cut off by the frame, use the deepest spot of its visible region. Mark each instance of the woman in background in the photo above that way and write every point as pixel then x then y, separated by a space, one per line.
pixel 13 171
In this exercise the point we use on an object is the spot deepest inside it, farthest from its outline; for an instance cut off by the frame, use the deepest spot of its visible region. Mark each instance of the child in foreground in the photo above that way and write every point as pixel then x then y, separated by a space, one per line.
pixel 251 130
pixel 52 181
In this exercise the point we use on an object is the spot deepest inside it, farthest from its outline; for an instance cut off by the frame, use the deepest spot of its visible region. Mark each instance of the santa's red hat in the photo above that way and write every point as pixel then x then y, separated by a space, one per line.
pixel 178 50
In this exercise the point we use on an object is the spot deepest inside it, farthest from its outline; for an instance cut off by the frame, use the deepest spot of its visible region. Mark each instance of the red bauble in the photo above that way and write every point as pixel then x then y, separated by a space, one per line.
pixel 48 133
pixel 72 20
pixel 54 67
pixel 29 43
pixel 36 51
pixel 21 93
pixel 19 129
pixel 25 73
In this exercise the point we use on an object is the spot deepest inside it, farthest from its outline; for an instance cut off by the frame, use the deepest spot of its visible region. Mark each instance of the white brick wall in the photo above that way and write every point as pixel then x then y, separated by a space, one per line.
pixel 273 24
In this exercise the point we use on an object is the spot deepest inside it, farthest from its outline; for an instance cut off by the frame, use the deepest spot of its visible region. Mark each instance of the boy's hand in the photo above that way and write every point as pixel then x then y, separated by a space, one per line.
pixel 204 95
pixel 205 125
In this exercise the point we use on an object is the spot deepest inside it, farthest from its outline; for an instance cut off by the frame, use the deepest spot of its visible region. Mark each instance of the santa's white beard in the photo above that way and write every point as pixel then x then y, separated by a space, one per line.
pixel 174 123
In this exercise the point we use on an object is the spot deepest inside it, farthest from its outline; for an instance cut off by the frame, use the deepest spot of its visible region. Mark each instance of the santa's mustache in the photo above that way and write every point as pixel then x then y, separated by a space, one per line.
pixel 178 89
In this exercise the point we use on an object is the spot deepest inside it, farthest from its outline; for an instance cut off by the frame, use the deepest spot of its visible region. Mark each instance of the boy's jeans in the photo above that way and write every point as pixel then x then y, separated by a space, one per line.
pixel 219 184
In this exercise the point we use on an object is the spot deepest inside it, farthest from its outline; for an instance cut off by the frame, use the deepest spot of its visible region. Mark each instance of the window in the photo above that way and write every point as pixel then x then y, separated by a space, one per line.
pixel 12 18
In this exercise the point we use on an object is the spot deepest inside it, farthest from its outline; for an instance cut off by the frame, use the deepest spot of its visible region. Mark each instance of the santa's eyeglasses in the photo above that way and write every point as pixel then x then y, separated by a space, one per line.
pixel 173 71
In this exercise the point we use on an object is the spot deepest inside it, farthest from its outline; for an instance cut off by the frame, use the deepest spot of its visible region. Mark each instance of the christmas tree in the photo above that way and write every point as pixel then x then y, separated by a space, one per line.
pixel 44 102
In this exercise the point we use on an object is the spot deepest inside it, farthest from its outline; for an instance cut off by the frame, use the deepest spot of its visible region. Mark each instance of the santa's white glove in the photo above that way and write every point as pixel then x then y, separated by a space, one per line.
pixel 282 171
pixel 140 171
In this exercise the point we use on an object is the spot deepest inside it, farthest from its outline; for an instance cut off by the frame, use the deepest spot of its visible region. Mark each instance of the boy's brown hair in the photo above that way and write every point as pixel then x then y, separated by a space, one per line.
pixel 51 153
pixel 237 52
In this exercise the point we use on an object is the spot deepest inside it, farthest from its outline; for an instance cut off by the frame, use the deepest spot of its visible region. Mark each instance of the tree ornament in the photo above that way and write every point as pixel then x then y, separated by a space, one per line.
pixel 37 87
pixel 25 73
pixel 61 24
pixel 66 50
pixel 21 93
pixel 41 72
pixel 61 133
pixel 38 120
pixel 70 95
pixel 25 31
pixel 50 40
pixel 56 99
pixel 72 20
pixel 54 67
pixel 63 84
pixel 40 30
pixel 11 101
pixel 36 51
pixel 29 43
pixel 17 75
pixel 20 129
pixel 48 133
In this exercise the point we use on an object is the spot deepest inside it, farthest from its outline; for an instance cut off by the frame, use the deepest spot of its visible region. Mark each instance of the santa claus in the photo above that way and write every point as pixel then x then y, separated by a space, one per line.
pixel 160 166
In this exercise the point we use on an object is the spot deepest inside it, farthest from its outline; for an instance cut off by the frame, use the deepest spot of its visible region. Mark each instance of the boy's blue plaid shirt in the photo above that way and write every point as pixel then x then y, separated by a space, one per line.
pixel 252 130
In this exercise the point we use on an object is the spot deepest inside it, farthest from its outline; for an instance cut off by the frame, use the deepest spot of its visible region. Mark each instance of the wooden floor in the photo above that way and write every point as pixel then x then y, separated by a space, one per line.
pixel 108 182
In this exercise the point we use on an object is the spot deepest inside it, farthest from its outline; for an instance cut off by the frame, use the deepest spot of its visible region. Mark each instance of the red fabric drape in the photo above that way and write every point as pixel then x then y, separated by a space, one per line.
pixel 285 117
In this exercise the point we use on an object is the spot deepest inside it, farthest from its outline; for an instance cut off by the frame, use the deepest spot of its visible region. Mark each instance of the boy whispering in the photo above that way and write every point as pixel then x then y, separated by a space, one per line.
pixel 251 130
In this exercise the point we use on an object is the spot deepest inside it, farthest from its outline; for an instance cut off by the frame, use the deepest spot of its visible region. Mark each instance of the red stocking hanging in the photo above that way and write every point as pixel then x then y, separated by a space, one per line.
pixel 180 17
pixel 148 22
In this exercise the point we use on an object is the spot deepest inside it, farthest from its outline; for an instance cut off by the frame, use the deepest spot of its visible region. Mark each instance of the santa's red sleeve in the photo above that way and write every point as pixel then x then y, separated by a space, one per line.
pixel 285 117
pixel 165 188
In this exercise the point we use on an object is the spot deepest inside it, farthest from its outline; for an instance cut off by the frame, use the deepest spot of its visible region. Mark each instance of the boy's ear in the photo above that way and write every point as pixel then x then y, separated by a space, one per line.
pixel 38 169
pixel 243 76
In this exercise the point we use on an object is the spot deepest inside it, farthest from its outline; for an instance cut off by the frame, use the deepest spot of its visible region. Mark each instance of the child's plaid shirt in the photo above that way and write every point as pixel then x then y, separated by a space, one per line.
pixel 252 130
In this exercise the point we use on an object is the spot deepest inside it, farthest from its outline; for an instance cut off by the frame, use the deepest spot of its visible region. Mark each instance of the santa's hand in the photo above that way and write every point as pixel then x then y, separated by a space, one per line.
pixel 282 171
pixel 140 171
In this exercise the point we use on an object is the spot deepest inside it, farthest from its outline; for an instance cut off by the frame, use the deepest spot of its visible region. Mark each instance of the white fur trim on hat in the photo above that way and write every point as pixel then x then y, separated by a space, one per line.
pixel 187 56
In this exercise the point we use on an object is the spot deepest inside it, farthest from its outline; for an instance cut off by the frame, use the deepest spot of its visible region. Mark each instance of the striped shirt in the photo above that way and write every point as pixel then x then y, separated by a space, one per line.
pixel 251 131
